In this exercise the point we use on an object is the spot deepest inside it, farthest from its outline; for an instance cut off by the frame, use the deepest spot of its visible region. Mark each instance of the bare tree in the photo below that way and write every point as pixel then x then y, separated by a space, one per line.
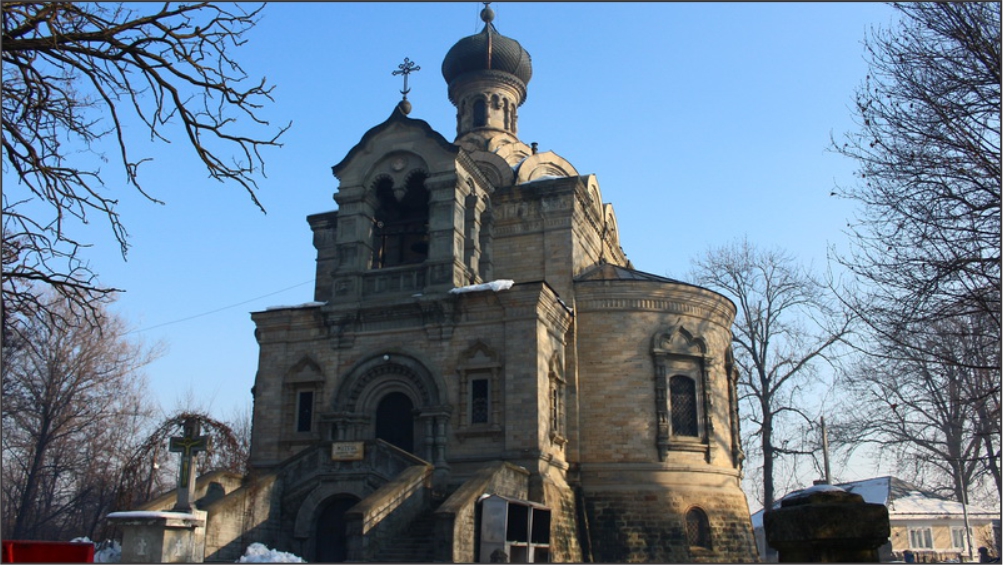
pixel 927 239
pixel 74 75
pixel 150 463
pixel 72 395
pixel 239 423
pixel 929 408
pixel 786 329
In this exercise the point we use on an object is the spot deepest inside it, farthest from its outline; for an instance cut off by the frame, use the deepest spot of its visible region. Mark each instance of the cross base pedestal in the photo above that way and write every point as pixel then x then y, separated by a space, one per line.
pixel 162 537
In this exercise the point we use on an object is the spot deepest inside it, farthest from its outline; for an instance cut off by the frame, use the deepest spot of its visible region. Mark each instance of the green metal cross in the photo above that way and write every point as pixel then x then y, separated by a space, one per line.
pixel 188 446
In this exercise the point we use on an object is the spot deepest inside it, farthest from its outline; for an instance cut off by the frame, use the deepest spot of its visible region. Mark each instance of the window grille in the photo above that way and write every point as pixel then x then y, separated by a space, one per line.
pixel 697 528
pixel 479 401
pixel 683 400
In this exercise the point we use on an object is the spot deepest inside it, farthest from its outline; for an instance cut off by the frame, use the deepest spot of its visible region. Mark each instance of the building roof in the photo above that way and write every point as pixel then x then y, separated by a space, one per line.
pixel 487 50
pixel 904 500
pixel 611 272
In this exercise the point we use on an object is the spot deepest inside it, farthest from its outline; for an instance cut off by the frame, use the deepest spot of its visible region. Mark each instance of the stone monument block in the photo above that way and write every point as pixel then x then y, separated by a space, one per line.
pixel 161 537
pixel 826 524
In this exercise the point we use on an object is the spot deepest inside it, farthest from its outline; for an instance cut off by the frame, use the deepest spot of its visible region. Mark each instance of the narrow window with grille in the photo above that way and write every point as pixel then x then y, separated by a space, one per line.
pixel 683 399
pixel 304 411
pixel 697 528
pixel 479 405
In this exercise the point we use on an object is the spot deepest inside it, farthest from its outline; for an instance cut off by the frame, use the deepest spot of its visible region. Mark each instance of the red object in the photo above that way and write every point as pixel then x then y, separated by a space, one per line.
pixel 15 551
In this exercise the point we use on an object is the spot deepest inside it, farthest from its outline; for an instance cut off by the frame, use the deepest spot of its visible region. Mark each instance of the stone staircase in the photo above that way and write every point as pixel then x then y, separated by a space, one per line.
pixel 416 545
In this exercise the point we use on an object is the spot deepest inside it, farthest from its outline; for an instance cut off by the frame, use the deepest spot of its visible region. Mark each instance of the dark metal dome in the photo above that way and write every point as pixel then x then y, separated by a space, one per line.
pixel 487 50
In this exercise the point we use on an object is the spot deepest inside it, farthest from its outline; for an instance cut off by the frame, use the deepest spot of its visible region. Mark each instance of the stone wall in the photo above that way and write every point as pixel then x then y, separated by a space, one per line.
pixel 380 518
pixel 618 324
pixel 565 544
pixel 242 518
pixel 456 519
pixel 648 525
pixel 513 333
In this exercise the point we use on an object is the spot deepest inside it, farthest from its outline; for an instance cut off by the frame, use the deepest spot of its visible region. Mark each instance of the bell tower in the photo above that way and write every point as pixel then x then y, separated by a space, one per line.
pixel 487 74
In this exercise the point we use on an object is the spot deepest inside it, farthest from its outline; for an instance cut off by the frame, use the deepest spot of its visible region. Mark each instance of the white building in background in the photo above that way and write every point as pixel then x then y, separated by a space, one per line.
pixel 930 526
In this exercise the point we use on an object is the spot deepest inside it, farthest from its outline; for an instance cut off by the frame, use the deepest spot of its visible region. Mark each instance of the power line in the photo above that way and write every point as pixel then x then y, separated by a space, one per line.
pixel 219 309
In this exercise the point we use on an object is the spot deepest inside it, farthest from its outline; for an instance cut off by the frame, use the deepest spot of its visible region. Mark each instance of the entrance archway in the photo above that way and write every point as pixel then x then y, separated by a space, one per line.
pixel 395 421
pixel 332 541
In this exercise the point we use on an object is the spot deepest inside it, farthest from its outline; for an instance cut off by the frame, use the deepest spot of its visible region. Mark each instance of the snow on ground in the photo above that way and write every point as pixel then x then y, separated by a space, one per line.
pixel 259 553
pixel 108 551
pixel 111 552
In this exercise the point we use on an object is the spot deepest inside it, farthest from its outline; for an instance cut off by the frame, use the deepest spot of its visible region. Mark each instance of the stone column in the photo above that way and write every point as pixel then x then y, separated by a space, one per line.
pixel 826 524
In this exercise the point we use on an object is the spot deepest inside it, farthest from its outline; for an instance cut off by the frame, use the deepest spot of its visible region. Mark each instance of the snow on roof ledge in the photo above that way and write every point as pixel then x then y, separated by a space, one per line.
pixel 157 514
pixel 500 284
pixel 304 305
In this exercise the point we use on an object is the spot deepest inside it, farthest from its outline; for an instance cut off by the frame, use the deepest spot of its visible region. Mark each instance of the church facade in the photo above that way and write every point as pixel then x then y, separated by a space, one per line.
pixel 478 334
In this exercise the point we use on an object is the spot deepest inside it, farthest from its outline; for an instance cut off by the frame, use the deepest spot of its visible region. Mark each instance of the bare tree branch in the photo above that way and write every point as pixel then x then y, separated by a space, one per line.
pixel 785 329
pixel 927 238
pixel 73 73
pixel 71 400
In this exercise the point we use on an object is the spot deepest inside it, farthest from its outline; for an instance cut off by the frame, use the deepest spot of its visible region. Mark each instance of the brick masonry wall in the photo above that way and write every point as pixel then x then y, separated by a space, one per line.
pixel 240 518
pixel 455 519
pixel 565 545
pixel 617 324
pixel 646 525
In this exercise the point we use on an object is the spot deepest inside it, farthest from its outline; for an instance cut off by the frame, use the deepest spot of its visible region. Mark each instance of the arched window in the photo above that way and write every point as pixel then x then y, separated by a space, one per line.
pixel 697 528
pixel 683 403
pixel 480 113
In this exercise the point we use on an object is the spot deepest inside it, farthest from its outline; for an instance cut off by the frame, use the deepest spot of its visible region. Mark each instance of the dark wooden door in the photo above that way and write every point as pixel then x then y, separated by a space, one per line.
pixel 395 421
pixel 332 543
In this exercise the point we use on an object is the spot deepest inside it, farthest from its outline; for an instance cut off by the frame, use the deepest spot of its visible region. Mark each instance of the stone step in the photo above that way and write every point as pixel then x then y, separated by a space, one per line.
pixel 415 545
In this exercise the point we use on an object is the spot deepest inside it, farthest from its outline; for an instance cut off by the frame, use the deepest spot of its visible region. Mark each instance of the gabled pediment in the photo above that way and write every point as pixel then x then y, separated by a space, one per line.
pixel 679 340
pixel 398 133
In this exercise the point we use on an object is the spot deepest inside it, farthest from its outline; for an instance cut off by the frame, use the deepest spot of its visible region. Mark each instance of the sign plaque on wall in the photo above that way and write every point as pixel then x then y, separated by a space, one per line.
pixel 347 451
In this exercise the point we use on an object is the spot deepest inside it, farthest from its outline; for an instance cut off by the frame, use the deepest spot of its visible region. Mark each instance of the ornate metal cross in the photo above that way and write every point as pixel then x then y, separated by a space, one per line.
pixel 188 446
pixel 406 68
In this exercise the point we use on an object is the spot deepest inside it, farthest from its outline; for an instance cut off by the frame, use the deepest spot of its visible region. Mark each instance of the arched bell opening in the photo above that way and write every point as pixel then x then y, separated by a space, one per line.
pixel 400 230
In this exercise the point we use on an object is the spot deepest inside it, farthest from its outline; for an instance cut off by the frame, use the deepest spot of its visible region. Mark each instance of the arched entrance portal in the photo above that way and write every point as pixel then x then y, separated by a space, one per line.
pixel 332 543
pixel 395 421
pixel 394 397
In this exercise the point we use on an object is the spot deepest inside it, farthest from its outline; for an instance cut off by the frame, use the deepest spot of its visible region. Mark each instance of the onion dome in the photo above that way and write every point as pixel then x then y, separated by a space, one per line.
pixel 487 51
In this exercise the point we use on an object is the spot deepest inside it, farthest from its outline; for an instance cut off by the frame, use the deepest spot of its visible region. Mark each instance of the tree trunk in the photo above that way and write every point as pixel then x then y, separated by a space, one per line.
pixel 985 434
pixel 27 508
pixel 767 436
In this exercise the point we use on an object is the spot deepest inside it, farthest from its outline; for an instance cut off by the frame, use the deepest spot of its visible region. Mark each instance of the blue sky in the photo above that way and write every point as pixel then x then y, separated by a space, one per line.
pixel 704 122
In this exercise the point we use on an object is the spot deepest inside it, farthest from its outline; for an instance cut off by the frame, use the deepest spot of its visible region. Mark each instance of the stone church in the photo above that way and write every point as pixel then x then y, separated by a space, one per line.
pixel 483 375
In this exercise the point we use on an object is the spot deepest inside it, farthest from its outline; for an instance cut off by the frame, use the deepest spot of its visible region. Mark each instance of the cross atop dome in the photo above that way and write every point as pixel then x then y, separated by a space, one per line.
pixel 405 68
pixel 487 74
